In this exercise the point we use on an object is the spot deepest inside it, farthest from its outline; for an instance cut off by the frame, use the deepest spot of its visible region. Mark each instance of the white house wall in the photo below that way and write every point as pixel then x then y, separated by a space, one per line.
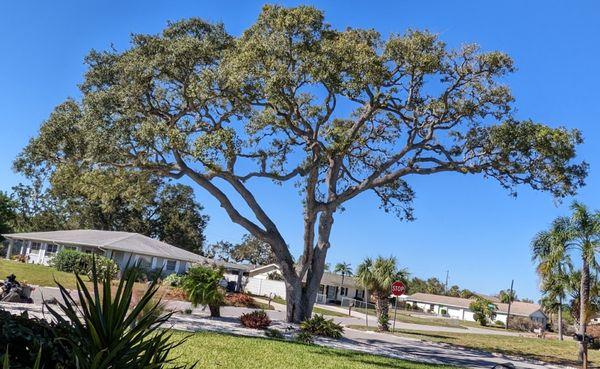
pixel 264 287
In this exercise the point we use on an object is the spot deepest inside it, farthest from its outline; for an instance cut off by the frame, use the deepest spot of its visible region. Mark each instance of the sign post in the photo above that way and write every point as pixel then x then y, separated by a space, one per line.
pixel 398 289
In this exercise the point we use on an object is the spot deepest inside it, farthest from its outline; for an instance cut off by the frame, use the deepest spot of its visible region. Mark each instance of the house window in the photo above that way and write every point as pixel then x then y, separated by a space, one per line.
pixel 35 248
pixel 343 291
pixel 51 250
pixel 144 261
pixel 170 265
pixel 70 247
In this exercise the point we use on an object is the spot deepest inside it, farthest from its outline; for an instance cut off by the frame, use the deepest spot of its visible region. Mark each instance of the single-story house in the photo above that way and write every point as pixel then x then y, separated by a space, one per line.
pixel 458 308
pixel 333 286
pixel 40 248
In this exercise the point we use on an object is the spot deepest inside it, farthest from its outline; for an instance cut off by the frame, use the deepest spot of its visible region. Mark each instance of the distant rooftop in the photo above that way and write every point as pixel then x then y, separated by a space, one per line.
pixel 516 308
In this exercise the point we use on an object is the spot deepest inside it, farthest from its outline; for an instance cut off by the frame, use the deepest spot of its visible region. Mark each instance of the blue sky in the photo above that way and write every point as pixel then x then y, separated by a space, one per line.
pixel 465 224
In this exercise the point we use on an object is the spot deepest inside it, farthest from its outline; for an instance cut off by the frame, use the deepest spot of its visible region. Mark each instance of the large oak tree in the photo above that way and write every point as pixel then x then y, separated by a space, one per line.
pixel 338 112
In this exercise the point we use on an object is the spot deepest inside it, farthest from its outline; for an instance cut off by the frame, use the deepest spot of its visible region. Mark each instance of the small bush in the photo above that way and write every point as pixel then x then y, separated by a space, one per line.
pixel 274 333
pixel 173 280
pixel 256 319
pixel 305 337
pixel 72 261
pixel 320 326
pixel 499 323
pixel 240 300
pixel 444 312
pixel 187 311
pixel 520 323
pixel 20 258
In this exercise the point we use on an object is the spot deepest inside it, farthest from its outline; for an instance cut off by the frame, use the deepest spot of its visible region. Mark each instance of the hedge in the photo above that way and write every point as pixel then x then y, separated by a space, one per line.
pixel 73 261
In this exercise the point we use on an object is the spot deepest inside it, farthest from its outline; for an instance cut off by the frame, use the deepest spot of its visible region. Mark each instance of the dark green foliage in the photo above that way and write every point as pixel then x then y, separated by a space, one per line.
pixel 257 319
pixel 320 326
pixel 108 332
pixel 202 286
pixel 274 333
pixel 305 337
pixel 25 337
pixel 80 263
pixel 7 214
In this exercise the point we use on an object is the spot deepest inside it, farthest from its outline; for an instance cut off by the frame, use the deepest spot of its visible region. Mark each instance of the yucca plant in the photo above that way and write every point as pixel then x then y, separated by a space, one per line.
pixel 202 286
pixel 107 332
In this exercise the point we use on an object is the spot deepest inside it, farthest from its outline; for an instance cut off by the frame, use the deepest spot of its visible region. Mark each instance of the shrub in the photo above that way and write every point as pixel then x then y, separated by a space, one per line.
pixel 305 337
pixel 202 286
pixel 520 323
pixel 72 261
pixel 257 319
pixel 20 258
pixel 320 326
pixel 499 323
pixel 483 310
pixel 173 280
pixel 24 337
pixel 240 300
pixel 274 333
pixel 444 312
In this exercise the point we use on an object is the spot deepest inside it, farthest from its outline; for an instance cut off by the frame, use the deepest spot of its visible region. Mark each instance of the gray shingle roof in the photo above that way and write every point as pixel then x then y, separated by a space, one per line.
pixel 120 241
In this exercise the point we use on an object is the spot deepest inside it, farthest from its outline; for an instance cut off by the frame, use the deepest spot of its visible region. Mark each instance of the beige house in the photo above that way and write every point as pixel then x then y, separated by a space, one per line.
pixel 458 308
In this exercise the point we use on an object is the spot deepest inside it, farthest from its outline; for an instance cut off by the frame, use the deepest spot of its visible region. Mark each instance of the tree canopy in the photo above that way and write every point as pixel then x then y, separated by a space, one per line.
pixel 337 112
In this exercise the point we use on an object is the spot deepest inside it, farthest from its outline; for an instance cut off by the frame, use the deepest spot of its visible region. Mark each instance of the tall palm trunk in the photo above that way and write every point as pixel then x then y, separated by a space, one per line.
pixel 382 306
pixel 560 329
pixel 583 300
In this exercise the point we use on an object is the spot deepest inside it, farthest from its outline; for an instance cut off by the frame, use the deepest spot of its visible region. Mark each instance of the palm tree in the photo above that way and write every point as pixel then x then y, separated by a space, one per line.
pixel 581 233
pixel 202 286
pixel 344 269
pixel 377 278
pixel 554 266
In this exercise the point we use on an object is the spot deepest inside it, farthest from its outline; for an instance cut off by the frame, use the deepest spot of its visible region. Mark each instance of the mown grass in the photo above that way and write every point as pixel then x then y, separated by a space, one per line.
pixel 547 350
pixel 213 350
pixel 36 274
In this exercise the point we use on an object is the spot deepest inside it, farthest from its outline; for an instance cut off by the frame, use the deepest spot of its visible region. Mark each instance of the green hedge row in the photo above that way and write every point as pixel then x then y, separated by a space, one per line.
pixel 73 261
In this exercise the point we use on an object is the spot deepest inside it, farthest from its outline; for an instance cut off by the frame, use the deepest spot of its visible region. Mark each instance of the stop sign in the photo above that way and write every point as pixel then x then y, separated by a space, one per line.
pixel 398 288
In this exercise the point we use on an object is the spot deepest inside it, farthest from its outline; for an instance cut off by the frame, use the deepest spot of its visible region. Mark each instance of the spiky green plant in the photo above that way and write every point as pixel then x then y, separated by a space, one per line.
pixel 108 332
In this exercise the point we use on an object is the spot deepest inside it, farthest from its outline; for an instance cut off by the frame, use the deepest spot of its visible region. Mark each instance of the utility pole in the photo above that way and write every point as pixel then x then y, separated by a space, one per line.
pixel 446 285
pixel 510 297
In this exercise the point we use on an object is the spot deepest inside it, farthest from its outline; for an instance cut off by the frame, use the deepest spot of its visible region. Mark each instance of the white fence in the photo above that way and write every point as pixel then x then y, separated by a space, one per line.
pixel 264 287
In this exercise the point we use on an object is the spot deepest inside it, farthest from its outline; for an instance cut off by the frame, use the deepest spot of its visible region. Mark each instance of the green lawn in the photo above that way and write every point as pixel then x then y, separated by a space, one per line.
pixel 36 274
pixel 324 311
pixel 213 350
pixel 548 350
